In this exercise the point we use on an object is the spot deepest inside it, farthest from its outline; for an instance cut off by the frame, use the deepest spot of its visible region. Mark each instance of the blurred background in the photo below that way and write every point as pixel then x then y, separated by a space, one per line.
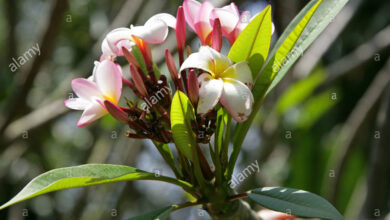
pixel 325 128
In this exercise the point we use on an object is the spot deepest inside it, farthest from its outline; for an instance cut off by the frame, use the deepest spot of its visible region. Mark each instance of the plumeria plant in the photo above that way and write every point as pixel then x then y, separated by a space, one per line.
pixel 213 102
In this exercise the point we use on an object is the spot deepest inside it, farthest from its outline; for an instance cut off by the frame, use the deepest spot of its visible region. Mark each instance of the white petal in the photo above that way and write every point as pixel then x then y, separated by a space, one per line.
pixel 240 71
pixel 209 92
pixel 155 32
pixel 92 77
pixel 168 19
pixel 109 80
pixel 198 61
pixel 237 99
pixel 207 59
pixel 220 61
pixel 86 89
pixel 116 35
pixel 91 114
pixel 77 103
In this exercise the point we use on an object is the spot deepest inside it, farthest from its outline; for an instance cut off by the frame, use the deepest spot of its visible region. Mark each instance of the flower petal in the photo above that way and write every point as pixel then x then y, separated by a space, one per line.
pixel 237 99
pixel 109 80
pixel 91 114
pixel 228 18
pixel 116 35
pixel 191 9
pixel 209 92
pixel 155 32
pixel 168 19
pixel 207 59
pixel 240 71
pixel 202 22
pixel 77 103
pixel 199 61
pixel 86 89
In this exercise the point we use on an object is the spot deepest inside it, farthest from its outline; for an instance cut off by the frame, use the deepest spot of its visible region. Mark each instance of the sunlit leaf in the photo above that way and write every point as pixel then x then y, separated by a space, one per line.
pixel 253 43
pixel 84 175
pixel 297 37
pixel 182 113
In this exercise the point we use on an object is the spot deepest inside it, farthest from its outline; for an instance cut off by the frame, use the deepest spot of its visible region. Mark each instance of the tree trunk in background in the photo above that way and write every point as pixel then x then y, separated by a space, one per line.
pixel 378 177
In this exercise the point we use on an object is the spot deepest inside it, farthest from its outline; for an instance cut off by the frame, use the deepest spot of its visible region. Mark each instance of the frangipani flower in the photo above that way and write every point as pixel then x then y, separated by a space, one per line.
pixel 223 81
pixel 105 84
pixel 197 16
pixel 154 31
pixel 201 16
pixel 232 22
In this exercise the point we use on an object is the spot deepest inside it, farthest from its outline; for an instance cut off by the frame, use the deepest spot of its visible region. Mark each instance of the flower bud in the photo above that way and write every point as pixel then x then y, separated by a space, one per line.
pixel 193 87
pixel 116 112
pixel 217 35
pixel 137 78
pixel 180 33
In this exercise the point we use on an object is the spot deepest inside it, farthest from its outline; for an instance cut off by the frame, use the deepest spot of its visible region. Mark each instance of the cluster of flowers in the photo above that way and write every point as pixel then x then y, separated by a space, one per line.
pixel 207 76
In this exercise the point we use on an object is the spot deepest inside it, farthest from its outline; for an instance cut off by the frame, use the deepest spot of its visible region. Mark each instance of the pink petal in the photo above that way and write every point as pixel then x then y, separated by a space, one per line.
pixel 109 80
pixel 202 22
pixel 237 99
pixel 91 114
pixel 86 89
pixel 191 9
pixel 228 19
pixel 209 93
pixel 77 103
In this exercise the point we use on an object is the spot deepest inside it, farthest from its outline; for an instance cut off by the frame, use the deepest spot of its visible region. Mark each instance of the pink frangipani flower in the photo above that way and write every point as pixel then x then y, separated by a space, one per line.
pixel 197 16
pixel 154 31
pixel 201 17
pixel 105 84
pixel 223 81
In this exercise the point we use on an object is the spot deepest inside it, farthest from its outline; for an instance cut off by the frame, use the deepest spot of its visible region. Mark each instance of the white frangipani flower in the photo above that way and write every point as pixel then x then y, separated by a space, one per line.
pixel 223 81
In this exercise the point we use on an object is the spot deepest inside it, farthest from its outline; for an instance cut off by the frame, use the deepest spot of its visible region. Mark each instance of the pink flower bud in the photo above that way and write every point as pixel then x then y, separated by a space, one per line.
pixel 217 35
pixel 193 87
pixel 180 33
pixel 171 65
pixel 116 112
pixel 137 78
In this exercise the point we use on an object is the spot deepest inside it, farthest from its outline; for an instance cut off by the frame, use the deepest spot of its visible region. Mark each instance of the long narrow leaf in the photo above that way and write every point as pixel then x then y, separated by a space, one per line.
pixel 253 43
pixel 85 175
pixel 297 37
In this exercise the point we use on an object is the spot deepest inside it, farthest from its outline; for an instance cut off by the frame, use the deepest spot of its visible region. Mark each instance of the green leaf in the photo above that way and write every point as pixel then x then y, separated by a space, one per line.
pixel 182 113
pixel 140 58
pixel 295 202
pixel 253 43
pixel 85 175
pixel 159 214
pixel 297 37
